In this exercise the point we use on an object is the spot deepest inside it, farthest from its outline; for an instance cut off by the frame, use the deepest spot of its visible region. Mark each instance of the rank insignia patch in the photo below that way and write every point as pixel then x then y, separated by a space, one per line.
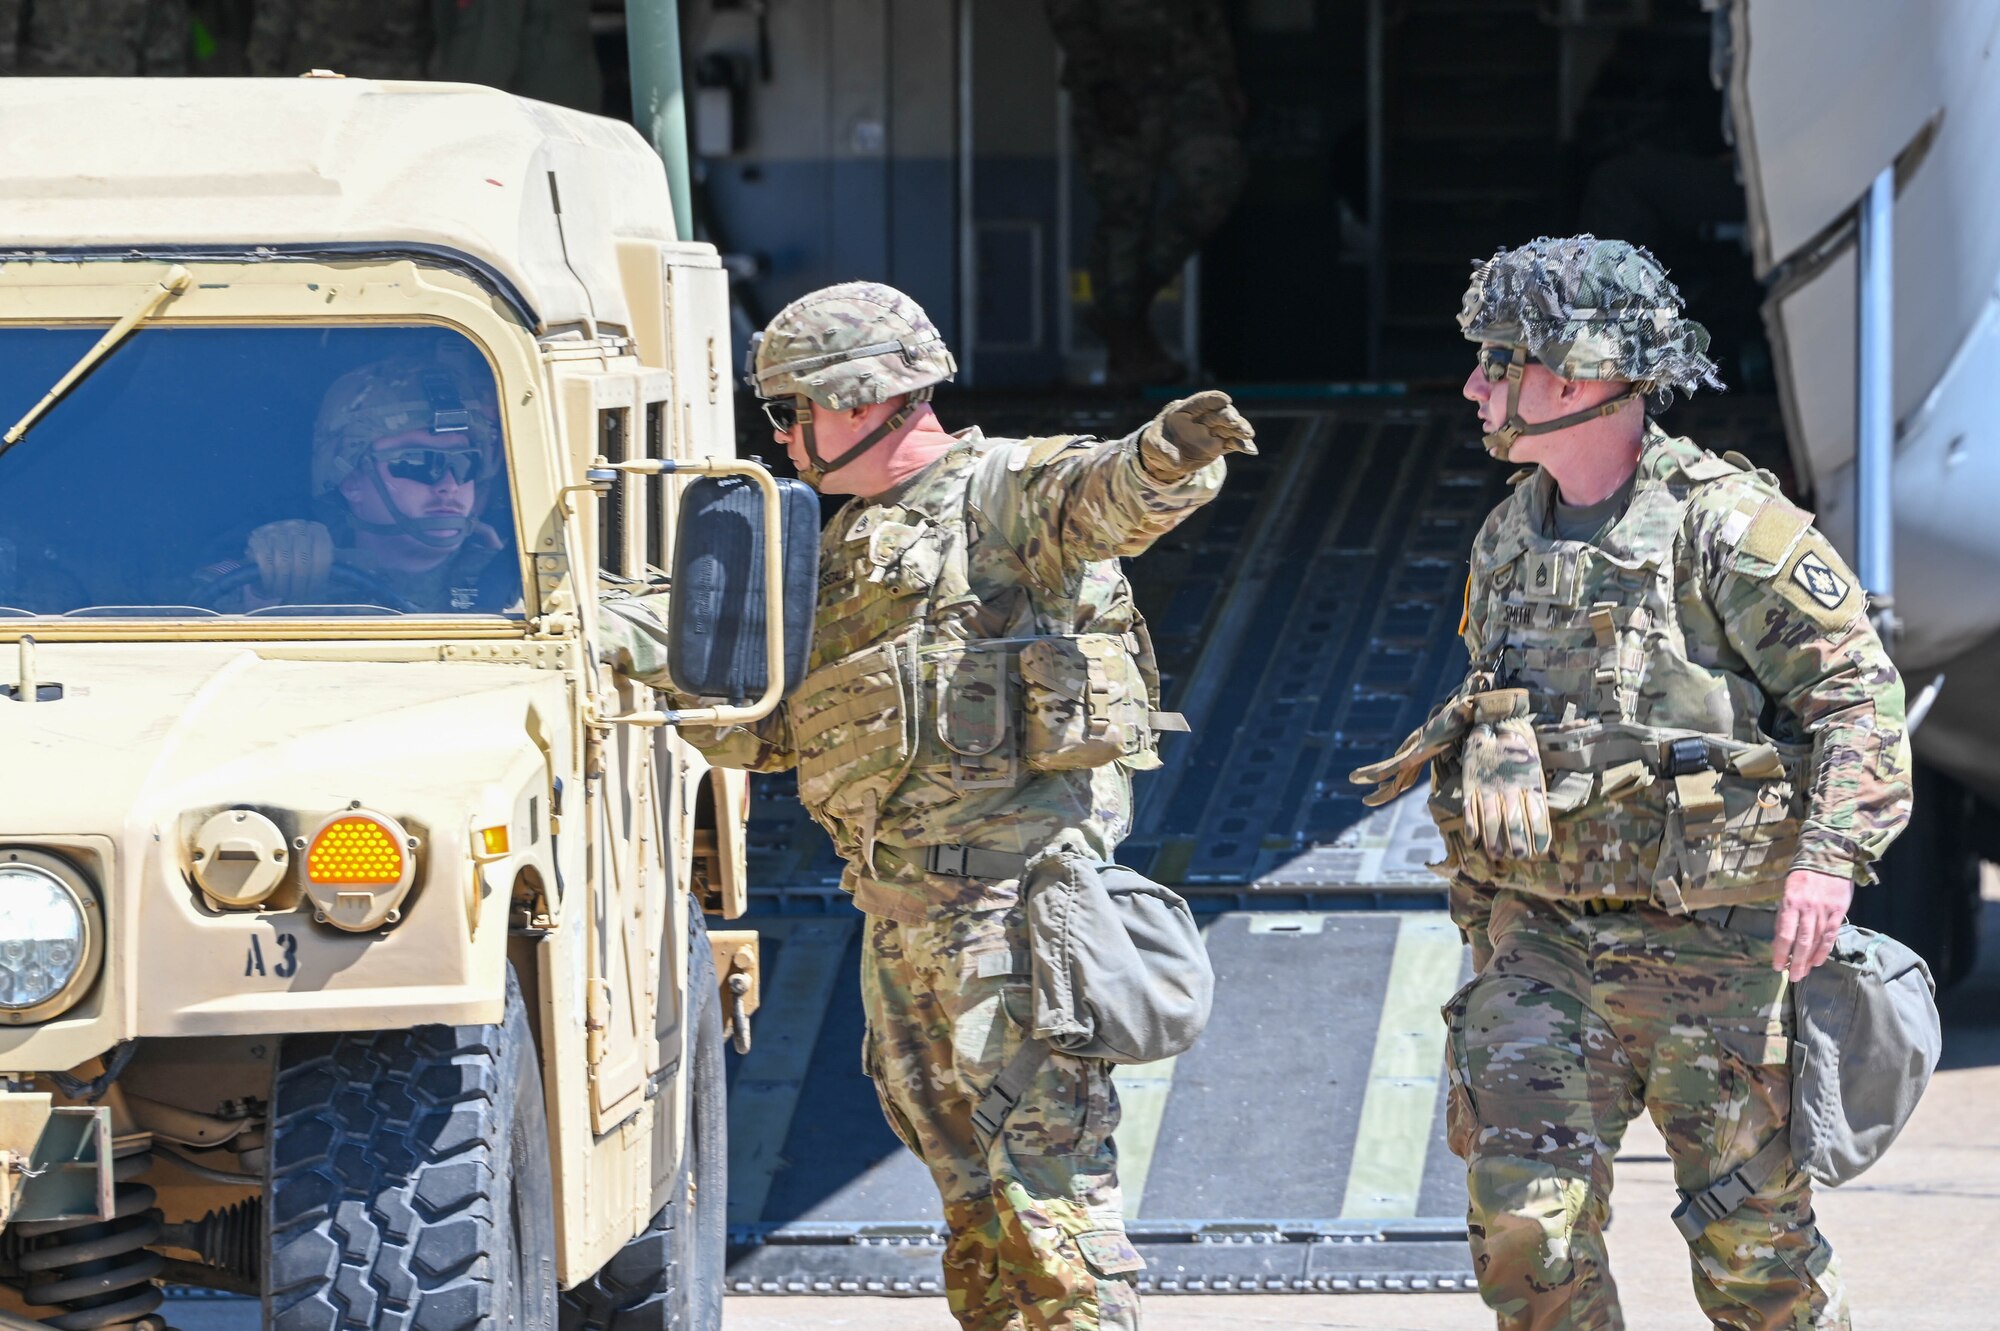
pixel 1820 582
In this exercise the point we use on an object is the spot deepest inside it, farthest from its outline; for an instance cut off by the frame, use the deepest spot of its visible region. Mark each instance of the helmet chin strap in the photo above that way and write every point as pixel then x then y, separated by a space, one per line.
pixel 1500 442
pixel 822 467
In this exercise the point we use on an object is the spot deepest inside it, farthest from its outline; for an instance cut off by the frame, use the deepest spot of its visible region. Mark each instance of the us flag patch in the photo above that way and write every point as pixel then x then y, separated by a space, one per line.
pixel 1820 582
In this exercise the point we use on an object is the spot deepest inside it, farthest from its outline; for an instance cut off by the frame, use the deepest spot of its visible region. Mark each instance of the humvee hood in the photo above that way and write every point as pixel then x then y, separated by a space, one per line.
pixel 145 732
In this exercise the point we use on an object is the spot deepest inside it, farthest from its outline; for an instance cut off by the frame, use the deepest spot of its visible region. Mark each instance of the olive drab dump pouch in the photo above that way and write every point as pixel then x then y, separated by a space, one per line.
pixel 1086 702
pixel 1865 1041
pixel 1866 1044
pixel 1119 970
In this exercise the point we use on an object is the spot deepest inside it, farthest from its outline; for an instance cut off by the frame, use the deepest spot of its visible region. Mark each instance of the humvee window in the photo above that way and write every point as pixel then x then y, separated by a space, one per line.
pixel 256 471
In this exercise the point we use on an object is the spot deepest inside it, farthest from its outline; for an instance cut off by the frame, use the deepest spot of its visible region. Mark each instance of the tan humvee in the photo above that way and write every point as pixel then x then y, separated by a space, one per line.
pixel 346 947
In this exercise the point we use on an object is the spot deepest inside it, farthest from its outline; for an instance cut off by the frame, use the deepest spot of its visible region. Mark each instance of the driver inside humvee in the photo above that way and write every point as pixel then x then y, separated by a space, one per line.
pixel 405 456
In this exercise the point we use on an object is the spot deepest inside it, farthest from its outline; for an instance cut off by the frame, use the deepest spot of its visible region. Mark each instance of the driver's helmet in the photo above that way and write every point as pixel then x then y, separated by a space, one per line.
pixel 391 396
pixel 847 346
pixel 1589 309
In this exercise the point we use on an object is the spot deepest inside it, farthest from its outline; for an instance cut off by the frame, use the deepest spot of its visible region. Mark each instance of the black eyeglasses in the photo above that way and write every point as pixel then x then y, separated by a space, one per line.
pixel 782 412
pixel 429 466
pixel 1495 360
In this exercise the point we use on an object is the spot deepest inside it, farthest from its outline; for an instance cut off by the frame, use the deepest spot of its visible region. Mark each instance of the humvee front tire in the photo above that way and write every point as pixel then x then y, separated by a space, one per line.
pixel 670 1277
pixel 409 1184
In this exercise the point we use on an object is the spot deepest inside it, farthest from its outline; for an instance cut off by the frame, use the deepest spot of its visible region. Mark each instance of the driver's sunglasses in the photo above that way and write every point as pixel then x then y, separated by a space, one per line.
pixel 1495 360
pixel 429 466
pixel 782 412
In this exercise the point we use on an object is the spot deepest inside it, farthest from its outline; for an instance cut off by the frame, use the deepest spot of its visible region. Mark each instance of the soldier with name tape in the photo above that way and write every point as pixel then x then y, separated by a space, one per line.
pixel 981 689
pixel 1679 747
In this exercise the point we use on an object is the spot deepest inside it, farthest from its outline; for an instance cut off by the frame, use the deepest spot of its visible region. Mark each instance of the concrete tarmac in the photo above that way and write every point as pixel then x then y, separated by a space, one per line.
pixel 1913 1235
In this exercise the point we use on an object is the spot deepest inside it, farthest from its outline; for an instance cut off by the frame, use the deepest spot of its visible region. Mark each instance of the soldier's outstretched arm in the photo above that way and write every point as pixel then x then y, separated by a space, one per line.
pixel 1797 615
pixel 1090 500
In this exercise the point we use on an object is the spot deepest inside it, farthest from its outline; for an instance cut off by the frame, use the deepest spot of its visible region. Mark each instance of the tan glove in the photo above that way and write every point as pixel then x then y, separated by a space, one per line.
pixel 1192 432
pixel 293 558
pixel 1443 729
pixel 1506 796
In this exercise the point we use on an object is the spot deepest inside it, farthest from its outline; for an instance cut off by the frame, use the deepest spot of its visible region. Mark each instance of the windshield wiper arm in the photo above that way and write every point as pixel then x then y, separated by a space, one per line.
pixel 175 282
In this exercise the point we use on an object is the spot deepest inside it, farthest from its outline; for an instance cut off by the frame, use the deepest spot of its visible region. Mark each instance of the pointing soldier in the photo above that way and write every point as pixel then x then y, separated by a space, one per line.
pixel 981 689
pixel 1679 748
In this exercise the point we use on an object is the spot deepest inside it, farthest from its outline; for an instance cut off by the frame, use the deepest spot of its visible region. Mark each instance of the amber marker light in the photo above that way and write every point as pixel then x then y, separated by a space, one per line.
pixel 358 866
pixel 493 840
pixel 355 850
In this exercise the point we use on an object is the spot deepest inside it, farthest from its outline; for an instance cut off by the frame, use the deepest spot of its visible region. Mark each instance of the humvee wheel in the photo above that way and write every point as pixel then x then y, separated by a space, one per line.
pixel 409 1183
pixel 670 1277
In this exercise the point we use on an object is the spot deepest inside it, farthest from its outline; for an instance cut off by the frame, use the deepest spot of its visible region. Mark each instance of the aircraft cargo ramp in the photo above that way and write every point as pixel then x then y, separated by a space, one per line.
pixel 1306 620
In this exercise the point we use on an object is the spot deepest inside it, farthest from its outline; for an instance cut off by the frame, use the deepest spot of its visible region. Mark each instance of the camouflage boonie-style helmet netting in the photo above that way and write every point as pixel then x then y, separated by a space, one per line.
pixel 850 345
pixel 390 396
pixel 1590 309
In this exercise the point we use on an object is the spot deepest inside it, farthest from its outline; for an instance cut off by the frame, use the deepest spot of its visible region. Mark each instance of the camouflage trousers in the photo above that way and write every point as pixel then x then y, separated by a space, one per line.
pixel 1036 1236
pixel 1575 1022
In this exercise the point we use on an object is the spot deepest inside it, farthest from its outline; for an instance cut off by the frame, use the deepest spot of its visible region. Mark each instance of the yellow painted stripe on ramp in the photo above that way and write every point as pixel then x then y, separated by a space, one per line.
pixel 1142 1098
pixel 1396 1112
pixel 796 997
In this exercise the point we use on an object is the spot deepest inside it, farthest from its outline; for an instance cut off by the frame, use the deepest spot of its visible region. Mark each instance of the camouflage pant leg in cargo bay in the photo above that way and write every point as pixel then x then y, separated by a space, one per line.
pixel 1037 1236
pixel 1579 1020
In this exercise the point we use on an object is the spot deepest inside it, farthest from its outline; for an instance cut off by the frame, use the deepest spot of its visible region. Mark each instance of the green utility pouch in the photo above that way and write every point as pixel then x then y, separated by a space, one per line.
pixel 972 704
pixel 1086 702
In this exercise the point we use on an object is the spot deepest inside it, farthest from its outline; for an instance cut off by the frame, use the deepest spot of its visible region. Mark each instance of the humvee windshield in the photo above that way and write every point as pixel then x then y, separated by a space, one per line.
pixel 240 471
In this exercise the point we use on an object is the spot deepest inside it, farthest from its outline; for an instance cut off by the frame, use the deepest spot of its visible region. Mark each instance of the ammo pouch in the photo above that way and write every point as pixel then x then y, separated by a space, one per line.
pixel 1865 1042
pixel 1087 702
pixel 1119 970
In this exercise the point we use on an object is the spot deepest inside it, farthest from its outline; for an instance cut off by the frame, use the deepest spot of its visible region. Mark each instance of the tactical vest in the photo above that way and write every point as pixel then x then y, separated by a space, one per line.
pixel 913 666
pixel 1662 782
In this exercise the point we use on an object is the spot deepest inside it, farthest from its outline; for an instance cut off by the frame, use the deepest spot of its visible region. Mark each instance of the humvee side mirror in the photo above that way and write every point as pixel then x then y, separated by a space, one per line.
pixel 745 542
pixel 716 631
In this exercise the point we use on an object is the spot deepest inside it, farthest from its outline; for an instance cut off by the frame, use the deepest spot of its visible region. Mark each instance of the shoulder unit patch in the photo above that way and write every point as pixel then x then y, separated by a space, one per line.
pixel 1821 583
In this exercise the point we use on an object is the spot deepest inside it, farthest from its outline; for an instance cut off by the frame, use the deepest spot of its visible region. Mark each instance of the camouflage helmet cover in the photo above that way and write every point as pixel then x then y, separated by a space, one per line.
pixel 1589 309
pixel 850 345
pixel 391 396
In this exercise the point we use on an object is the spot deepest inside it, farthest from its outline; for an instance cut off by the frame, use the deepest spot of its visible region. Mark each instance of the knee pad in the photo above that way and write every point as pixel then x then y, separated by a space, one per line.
pixel 1523 1213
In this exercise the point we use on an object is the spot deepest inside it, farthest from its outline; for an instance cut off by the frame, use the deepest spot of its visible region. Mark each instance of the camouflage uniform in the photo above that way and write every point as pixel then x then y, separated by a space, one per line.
pixel 1611 973
pixel 95 38
pixel 1156 107
pixel 909 740
pixel 363 39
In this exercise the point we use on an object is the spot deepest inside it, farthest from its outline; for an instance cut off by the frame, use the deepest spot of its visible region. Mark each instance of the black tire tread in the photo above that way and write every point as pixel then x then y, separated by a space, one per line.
pixel 383 1171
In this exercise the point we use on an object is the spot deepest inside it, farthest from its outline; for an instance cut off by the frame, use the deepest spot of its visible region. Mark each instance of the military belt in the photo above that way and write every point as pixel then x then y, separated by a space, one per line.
pixel 962 861
pixel 1751 921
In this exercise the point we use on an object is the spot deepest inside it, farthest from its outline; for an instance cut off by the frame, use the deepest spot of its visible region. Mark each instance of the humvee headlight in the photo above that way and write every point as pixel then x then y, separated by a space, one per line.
pixel 49 924
pixel 359 866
